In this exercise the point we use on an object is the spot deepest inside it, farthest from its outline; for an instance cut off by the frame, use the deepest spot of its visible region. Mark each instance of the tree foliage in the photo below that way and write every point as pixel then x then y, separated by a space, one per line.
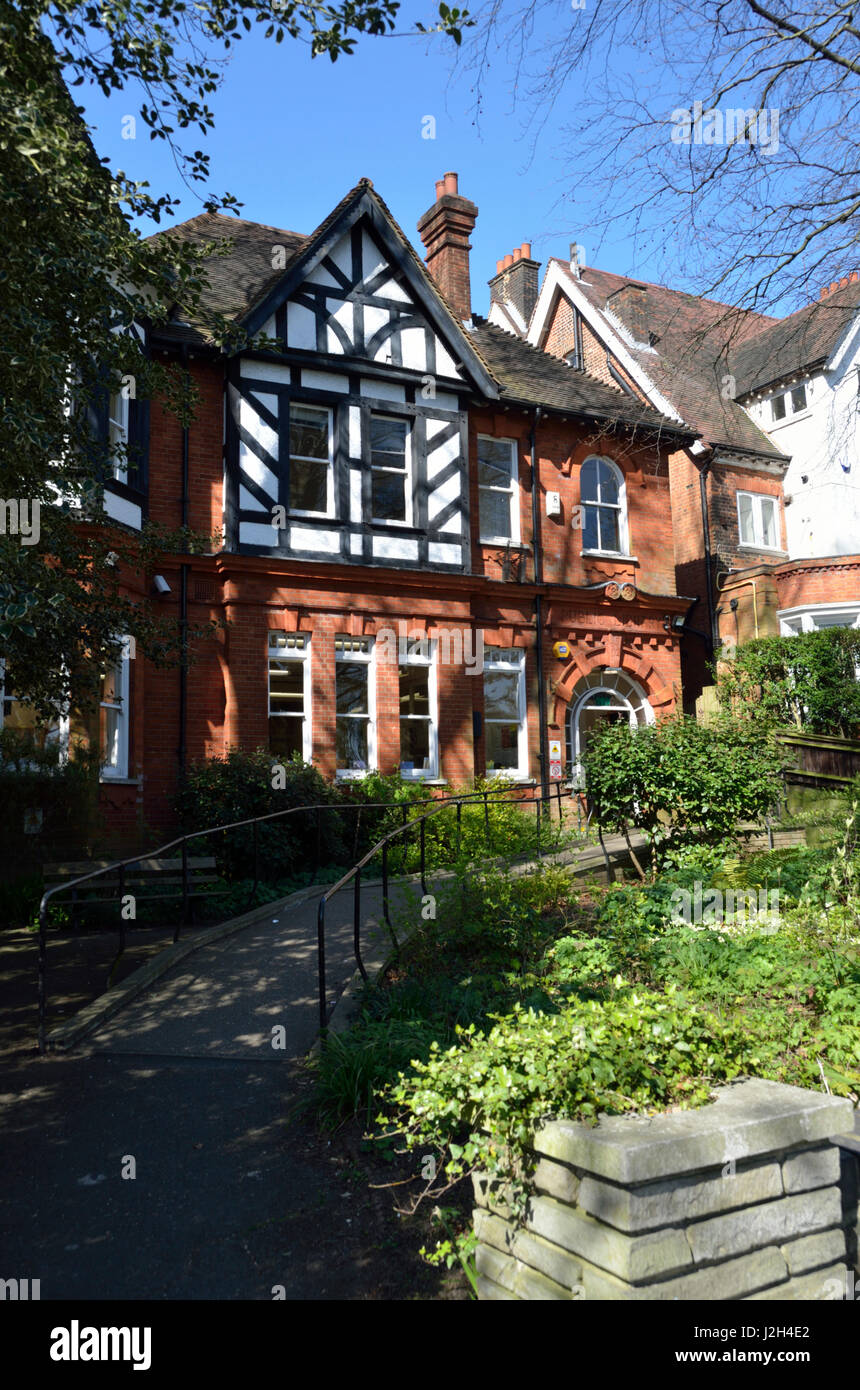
pixel 76 275
pixel 808 680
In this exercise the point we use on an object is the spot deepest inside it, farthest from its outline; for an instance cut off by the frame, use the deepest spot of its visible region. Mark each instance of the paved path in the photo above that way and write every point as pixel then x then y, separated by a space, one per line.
pixel 226 1201
pixel 225 999
pixel 185 1081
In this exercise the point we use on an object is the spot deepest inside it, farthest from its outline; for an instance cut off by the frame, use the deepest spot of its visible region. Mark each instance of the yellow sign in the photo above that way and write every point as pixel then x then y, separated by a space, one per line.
pixel 561 649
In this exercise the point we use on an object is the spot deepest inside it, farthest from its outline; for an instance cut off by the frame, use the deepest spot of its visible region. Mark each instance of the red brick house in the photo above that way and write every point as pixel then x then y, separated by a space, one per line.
pixel 773 402
pixel 443 552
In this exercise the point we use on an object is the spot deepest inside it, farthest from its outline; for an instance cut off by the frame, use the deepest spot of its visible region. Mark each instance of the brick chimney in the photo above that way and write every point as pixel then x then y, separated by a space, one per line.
pixel 445 229
pixel 630 305
pixel 515 283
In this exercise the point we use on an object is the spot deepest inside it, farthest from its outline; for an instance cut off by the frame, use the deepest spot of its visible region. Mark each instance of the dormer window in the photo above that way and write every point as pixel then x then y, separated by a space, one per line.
pixel 787 403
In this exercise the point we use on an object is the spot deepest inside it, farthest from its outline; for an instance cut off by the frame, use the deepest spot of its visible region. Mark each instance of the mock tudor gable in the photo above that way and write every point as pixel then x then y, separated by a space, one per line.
pixel 349 442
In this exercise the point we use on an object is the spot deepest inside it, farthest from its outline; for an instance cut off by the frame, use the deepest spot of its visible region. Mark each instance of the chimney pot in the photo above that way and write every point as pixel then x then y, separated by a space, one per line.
pixel 445 229
pixel 515 283
pixel 823 292
pixel 855 275
pixel 834 286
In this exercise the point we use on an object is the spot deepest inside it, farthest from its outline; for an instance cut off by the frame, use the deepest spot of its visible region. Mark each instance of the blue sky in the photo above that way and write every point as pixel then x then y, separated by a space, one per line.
pixel 292 135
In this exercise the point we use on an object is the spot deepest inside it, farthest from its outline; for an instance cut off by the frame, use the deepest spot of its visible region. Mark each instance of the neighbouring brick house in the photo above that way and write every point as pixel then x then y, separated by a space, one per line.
pixel 765 502
pixel 395 480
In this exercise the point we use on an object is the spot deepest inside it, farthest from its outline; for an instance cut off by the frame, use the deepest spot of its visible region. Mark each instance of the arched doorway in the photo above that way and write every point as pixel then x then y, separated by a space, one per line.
pixel 608 694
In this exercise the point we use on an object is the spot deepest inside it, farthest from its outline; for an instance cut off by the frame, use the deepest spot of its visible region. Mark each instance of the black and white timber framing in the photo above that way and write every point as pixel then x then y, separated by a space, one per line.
pixel 359 332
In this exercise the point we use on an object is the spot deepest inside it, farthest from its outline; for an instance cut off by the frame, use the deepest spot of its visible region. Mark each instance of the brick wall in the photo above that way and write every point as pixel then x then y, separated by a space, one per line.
pixel 561 339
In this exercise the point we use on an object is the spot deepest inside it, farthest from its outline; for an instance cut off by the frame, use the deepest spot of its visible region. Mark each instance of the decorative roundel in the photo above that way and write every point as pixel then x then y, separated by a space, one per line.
pixel 612 591
pixel 628 591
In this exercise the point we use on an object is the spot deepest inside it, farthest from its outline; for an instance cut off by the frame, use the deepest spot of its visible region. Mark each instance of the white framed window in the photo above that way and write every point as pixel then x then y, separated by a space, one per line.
pixel 603 495
pixel 816 617
pixel 22 719
pixel 505 726
pixel 498 490
pixel 355 706
pixel 118 434
pixel 419 718
pixel 758 521
pixel 795 401
pixel 311 460
pixel 390 470
pixel 114 686
pixel 290 695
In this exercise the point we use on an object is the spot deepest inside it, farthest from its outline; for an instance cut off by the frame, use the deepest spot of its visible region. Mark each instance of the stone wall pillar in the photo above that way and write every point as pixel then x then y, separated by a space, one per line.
pixel 739 1199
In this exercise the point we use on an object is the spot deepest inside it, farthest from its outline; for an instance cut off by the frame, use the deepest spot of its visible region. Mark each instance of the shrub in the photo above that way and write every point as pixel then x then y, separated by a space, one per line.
pixel 478 1103
pixel 240 786
pixel 48 804
pixel 809 680
pixel 681 782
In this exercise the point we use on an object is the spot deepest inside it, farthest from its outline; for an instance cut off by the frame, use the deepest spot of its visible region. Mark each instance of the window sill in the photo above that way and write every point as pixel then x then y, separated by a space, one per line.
pixel 507 542
pixel 120 781
pixel 611 555
pixel 767 549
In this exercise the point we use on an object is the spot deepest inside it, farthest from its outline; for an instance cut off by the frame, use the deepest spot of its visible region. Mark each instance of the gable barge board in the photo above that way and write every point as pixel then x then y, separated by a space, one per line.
pixel 365 206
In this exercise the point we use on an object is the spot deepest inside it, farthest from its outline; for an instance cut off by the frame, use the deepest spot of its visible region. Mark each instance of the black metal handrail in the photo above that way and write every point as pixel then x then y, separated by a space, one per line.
pixel 354 874
pixel 181 842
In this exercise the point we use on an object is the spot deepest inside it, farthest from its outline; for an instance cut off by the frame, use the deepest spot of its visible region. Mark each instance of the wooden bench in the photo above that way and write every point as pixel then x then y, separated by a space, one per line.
pixel 142 875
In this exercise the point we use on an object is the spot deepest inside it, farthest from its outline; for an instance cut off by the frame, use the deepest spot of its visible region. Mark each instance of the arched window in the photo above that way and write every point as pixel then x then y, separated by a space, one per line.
pixel 604 507
pixel 606 695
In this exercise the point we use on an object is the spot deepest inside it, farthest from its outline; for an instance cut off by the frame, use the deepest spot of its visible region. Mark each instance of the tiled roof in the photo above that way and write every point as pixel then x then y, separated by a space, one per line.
pixel 790 346
pixel 530 376
pixel 237 278
pixel 688 361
